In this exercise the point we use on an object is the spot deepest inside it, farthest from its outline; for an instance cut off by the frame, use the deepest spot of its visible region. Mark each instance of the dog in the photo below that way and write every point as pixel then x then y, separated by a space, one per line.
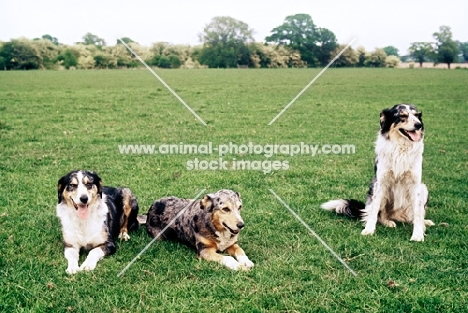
pixel 92 216
pixel 210 225
pixel 396 192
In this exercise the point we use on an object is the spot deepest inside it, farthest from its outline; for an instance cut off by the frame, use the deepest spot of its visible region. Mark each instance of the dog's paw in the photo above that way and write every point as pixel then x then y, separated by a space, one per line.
pixel 366 231
pixel 428 223
pixel 417 237
pixel 88 266
pixel 72 270
pixel 123 235
pixel 245 262
pixel 389 223
pixel 230 262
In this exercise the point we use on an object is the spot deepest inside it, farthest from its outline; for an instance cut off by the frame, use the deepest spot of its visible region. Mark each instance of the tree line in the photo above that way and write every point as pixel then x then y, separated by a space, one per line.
pixel 227 43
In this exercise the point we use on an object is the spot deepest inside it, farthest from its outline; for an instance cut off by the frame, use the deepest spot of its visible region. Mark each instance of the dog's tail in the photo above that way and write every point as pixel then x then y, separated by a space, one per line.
pixel 348 207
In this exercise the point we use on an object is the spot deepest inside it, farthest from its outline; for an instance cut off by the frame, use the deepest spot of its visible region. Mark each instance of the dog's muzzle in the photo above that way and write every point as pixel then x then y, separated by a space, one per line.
pixel 81 208
pixel 413 135
pixel 235 232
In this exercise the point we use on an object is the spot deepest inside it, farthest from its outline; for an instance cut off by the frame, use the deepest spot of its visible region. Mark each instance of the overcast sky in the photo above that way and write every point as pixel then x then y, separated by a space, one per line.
pixel 372 23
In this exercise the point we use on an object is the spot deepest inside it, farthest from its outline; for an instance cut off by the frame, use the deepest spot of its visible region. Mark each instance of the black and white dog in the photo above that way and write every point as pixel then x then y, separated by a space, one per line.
pixel 396 193
pixel 92 216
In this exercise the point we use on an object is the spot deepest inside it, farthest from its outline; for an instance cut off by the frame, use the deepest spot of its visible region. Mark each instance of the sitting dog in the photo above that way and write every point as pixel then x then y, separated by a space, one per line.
pixel 396 192
pixel 209 225
pixel 92 216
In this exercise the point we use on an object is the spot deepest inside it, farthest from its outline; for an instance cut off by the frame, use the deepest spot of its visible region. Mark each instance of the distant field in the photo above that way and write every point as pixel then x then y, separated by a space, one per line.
pixel 52 122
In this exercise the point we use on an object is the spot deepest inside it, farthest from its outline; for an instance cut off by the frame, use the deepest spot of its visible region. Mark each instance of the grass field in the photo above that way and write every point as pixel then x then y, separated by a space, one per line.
pixel 53 122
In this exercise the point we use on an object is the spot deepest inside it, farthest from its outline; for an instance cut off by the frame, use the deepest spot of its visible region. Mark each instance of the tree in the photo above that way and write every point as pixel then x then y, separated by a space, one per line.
pixel 421 51
pixel 376 58
pixel 51 39
pixel 158 48
pixel 224 42
pixel 221 55
pixel 2 58
pixel 124 39
pixel 361 54
pixel 20 55
pixel 90 39
pixel 69 58
pixel 391 50
pixel 163 62
pixel 348 58
pixel 225 29
pixel 175 61
pixel 102 60
pixel 122 56
pixel 47 50
pixel 274 56
pixel 85 56
pixel 179 52
pixel 392 61
pixel 326 44
pixel 298 32
pixel 259 58
pixel 86 62
pixel 463 46
pixel 447 49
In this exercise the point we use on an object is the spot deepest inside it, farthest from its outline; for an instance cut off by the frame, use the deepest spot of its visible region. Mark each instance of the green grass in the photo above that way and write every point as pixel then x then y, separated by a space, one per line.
pixel 53 122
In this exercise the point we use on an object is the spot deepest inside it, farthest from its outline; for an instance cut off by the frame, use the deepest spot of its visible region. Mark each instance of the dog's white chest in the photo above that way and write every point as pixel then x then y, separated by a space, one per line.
pixel 82 233
pixel 225 240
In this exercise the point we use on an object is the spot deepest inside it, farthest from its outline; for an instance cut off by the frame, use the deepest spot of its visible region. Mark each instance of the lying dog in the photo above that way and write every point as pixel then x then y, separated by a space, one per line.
pixel 92 216
pixel 396 192
pixel 210 225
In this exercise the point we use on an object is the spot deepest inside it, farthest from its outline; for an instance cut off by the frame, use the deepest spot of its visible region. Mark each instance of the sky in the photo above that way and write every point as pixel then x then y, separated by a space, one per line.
pixel 374 24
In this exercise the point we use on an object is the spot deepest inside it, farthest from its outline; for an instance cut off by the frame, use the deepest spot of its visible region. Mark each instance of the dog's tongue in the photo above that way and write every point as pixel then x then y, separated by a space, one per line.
pixel 414 135
pixel 82 211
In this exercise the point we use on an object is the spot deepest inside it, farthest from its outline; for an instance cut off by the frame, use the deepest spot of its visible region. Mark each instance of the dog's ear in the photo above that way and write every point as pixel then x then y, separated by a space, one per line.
pixel 238 196
pixel 99 186
pixel 208 201
pixel 62 184
pixel 98 182
pixel 386 119
pixel 419 116
pixel 239 202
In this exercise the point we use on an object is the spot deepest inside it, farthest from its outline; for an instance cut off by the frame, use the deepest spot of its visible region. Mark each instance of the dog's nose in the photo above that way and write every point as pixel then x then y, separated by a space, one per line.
pixel 84 199
pixel 240 225
pixel 417 126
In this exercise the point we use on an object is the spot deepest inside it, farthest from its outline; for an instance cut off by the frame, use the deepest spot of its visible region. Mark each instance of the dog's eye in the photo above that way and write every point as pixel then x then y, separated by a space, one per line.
pixel 72 186
pixel 240 207
pixel 89 186
pixel 226 209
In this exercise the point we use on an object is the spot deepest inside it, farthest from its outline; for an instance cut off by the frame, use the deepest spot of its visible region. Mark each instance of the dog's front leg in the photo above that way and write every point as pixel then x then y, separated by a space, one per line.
pixel 210 254
pixel 94 256
pixel 236 251
pixel 72 255
pixel 419 223
pixel 371 211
